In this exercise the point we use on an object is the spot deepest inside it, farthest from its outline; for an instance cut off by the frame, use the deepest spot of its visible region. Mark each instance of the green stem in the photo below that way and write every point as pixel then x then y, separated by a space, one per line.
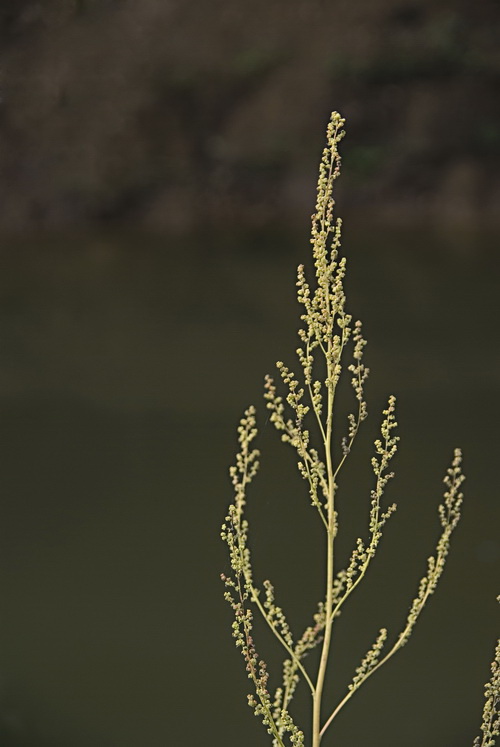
pixel 318 692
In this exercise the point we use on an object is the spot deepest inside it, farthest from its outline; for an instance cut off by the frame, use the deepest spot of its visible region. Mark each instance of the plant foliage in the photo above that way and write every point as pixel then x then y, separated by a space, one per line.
pixel 304 417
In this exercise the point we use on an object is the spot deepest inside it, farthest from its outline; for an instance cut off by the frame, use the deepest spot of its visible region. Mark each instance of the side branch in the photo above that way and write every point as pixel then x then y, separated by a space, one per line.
pixel 449 515
pixel 490 726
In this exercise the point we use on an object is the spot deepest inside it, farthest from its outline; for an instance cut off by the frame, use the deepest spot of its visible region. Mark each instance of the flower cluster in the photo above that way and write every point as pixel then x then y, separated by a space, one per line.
pixel 491 711
pixel 370 661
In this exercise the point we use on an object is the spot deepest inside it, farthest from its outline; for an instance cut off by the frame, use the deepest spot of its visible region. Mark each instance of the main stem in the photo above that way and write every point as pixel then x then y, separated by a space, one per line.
pixel 330 535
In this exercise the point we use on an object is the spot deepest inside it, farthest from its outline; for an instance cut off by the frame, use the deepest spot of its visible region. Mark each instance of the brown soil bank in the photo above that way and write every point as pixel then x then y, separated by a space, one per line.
pixel 176 114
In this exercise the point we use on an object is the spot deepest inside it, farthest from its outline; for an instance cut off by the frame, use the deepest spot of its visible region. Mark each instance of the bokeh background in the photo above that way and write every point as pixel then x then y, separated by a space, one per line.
pixel 158 162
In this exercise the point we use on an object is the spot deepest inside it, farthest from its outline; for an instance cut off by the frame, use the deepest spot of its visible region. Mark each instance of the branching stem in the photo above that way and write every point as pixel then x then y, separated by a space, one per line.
pixel 326 329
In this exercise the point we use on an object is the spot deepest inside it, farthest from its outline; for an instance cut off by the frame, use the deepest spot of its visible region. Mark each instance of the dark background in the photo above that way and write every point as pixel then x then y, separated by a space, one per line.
pixel 157 167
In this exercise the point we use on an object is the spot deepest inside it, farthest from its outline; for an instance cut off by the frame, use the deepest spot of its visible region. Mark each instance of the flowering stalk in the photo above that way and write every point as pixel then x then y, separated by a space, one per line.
pixel 304 416
pixel 490 726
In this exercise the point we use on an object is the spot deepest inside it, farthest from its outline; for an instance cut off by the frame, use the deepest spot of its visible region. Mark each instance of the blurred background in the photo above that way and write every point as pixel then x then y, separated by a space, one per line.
pixel 158 162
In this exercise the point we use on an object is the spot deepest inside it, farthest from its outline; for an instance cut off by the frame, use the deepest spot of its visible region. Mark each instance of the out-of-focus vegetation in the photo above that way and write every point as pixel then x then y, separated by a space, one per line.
pixel 174 113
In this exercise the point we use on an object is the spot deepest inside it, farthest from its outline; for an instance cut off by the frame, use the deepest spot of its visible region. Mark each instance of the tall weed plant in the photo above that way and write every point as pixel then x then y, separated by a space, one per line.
pixel 331 346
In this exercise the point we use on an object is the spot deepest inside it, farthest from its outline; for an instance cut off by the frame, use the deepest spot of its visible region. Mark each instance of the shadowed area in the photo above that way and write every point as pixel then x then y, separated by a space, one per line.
pixel 126 363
